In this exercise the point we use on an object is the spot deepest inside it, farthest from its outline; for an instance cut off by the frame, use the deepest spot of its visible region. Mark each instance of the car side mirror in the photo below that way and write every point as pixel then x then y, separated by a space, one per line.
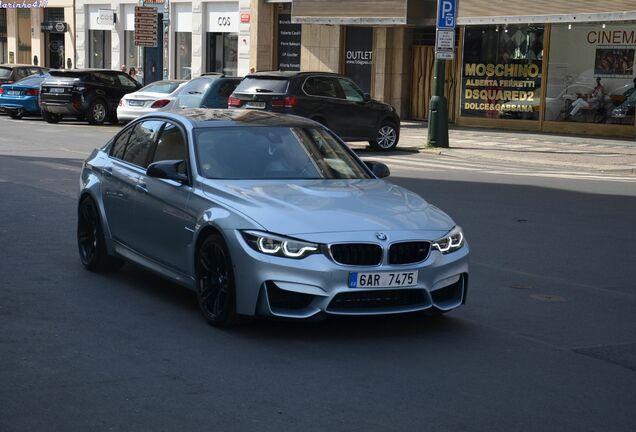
pixel 366 97
pixel 167 169
pixel 378 168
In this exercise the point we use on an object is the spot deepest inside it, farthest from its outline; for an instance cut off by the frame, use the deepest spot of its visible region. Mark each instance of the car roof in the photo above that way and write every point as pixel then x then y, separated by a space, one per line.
pixel 288 74
pixel 206 117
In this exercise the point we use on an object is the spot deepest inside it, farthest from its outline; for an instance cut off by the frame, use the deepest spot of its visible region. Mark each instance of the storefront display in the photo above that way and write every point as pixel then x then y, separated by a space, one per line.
pixel 222 37
pixel 289 41
pixel 359 56
pixel 24 36
pixel 100 25
pixel 3 36
pixel 502 72
pixel 595 82
pixel 183 41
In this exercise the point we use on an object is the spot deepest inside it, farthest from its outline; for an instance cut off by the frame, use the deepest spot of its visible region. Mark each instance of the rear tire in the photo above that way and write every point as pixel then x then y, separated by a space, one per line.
pixel 50 117
pixel 386 137
pixel 97 112
pixel 216 293
pixel 16 115
pixel 90 239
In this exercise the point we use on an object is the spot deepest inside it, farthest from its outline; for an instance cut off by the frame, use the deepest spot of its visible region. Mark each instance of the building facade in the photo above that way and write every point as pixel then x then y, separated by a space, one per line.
pixel 194 37
pixel 556 67
pixel 43 36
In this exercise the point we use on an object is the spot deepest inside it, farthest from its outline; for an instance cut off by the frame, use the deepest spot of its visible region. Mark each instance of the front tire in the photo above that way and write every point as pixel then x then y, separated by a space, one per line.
pixel 97 112
pixel 50 117
pixel 216 292
pixel 90 239
pixel 386 137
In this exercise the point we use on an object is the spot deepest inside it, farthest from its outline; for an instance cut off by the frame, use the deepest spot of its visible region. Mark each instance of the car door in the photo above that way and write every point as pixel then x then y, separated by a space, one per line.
pixel 166 223
pixel 327 104
pixel 119 179
pixel 218 93
pixel 363 118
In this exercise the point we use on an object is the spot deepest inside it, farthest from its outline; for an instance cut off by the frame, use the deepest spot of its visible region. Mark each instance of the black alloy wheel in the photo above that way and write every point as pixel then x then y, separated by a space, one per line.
pixel 215 282
pixel 50 117
pixel 90 239
pixel 386 137
pixel 97 112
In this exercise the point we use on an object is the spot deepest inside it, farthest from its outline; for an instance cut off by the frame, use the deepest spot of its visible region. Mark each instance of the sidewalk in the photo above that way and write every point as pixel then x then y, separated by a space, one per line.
pixel 588 154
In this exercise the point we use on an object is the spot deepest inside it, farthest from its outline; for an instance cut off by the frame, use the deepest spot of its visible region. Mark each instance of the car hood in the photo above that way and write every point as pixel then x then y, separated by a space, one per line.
pixel 322 206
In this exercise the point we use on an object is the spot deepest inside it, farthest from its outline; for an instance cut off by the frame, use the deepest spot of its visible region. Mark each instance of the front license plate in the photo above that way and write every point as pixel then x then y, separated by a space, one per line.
pixel 136 103
pixel 382 280
pixel 57 90
pixel 257 105
pixel 13 92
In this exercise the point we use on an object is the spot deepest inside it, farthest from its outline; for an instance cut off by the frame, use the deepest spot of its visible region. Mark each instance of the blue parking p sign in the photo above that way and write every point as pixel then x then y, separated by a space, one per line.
pixel 446 14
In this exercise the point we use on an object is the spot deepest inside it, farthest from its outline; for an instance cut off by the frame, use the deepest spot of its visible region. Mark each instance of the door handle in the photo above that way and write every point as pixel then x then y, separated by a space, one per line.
pixel 142 187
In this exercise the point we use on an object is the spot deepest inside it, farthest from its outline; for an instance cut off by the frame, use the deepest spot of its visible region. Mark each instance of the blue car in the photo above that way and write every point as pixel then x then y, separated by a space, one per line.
pixel 21 97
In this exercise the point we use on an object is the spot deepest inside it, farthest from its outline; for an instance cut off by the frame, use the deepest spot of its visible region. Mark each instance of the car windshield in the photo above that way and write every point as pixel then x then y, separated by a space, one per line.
pixel 262 85
pixel 33 80
pixel 4 72
pixel 267 152
pixel 165 87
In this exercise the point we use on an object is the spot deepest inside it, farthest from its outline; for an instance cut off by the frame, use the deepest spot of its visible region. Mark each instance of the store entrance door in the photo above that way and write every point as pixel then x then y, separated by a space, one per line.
pixel 153 57
pixel 54 50
pixel 423 83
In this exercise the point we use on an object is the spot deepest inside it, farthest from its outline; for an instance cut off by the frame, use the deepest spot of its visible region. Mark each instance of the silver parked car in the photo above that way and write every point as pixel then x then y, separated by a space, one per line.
pixel 266 214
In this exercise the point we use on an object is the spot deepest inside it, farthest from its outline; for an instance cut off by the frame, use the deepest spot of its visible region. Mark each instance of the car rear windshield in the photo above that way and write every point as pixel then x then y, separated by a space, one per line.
pixel 274 153
pixel 32 81
pixel 67 74
pixel 262 85
pixel 161 87
pixel 5 72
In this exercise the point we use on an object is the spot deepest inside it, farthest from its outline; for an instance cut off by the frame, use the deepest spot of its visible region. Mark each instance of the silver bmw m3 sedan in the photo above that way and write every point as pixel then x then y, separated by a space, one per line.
pixel 265 214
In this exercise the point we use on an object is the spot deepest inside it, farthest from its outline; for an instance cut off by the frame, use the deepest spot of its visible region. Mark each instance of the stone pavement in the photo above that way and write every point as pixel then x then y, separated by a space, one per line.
pixel 528 149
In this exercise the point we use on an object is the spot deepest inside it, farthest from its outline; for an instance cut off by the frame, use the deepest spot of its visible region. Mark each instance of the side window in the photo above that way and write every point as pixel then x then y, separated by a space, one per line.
pixel 172 146
pixel 227 88
pixel 126 81
pixel 351 91
pixel 104 78
pixel 119 146
pixel 322 87
pixel 141 142
pixel 191 95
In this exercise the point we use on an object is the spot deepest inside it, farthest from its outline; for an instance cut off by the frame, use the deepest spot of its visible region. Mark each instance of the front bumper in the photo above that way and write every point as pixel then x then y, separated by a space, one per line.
pixel 289 288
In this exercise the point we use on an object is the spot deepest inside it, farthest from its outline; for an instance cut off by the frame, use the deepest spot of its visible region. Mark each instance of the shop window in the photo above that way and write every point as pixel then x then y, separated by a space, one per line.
pixel 24 36
pixel 130 50
pixel 183 66
pixel 596 82
pixel 3 36
pixel 501 72
pixel 99 49
pixel 222 53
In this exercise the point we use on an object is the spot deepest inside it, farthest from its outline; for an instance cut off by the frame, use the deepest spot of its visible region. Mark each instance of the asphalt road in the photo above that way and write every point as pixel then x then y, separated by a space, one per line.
pixel 547 341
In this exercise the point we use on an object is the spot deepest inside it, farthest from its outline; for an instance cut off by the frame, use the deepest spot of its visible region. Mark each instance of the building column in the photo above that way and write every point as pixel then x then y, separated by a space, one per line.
pixel 81 37
pixel 198 41
pixel 321 48
pixel 12 35
pixel 37 37
pixel 391 67
pixel 261 35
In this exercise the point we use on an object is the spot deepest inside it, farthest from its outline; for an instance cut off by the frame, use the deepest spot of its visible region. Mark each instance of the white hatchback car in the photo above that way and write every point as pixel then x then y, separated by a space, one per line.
pixel 157 96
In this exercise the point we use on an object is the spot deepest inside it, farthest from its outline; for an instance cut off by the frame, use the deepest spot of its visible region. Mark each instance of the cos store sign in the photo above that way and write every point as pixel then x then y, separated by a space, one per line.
pixel 223 17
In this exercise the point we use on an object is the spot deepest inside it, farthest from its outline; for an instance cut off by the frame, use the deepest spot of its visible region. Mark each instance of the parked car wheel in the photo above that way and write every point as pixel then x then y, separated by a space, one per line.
pixel 50 117
pixel 386 137
pixel 16 114
pixel 215 282
pixel 90 239
pixel 97 112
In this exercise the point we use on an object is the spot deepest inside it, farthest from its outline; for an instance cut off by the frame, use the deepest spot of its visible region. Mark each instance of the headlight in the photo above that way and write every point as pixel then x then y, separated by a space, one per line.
pixel 451 242
pixel 272 244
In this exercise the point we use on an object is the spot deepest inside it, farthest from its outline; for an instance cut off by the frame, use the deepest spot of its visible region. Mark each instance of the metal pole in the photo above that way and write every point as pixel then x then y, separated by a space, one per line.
pixel 438 109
